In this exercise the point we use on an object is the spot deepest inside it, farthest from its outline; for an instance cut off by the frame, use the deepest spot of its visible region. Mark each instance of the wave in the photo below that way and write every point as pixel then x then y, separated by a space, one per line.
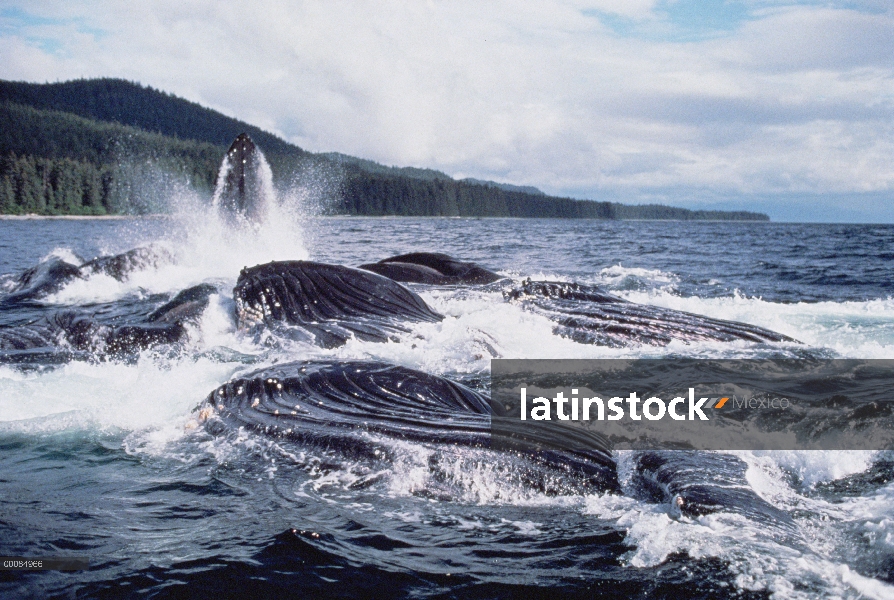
pixel 148 405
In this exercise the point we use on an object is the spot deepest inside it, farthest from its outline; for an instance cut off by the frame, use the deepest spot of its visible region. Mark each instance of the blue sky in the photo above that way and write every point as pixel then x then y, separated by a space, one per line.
pixel 784 107
pixel 680 21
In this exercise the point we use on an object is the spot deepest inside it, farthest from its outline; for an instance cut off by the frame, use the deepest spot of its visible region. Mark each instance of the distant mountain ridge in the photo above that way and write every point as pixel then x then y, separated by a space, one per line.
pixel 374 167
pixel 526 189
pixel 94 146
pixel 127 103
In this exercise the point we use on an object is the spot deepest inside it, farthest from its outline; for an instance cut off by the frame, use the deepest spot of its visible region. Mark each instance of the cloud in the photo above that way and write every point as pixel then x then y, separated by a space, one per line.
pixel 790 99
pixel 633 9
pixel 803 38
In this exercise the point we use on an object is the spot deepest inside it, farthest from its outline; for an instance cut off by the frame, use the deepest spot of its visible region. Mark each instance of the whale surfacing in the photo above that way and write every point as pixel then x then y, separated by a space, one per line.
pixel 53 274
pixel 583 313
pixel 336 405
pixel 72 333
pixel 241 187
pixel 120 266
pixel 331 303
pixel 588 315
pixel 697 483
pixel 432 268
pixel 41 280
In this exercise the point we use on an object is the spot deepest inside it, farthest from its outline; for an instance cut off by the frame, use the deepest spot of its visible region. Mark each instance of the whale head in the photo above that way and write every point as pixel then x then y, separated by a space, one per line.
pixel 243 183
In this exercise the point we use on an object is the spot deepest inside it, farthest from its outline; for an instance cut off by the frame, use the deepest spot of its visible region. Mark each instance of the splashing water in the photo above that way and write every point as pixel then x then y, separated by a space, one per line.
pixel 123 428
pixel 244 184
pixel 247 213
pixel 211 242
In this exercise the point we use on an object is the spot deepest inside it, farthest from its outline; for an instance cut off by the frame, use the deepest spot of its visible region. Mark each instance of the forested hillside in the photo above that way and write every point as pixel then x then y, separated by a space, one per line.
pixel 126 103
pixel 57 163
pixel 109 146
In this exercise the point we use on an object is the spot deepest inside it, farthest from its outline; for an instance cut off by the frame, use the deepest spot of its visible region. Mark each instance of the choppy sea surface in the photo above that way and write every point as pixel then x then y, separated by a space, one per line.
pixel 100 458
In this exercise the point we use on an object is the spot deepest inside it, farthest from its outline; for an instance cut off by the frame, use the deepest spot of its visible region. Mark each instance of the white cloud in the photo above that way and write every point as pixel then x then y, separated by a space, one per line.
pixel 797 99
pixel 634 9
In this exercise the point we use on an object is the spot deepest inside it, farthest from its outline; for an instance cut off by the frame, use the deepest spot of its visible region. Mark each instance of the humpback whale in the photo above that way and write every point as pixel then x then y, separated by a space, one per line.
pixel 67 334
pixel 187 304
pixel 44 279
pixel 53 274
pixel 337 405
pixel 583 313
pixel 240 189
pixel 120 266
pixel 329 303
pixel 72 333
pixel 696 483
pixel 350 407
pixel 432 268
pixel 588 315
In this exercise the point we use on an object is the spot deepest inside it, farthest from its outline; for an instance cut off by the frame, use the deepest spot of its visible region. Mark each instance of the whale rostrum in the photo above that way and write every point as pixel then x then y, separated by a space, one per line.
pixel 240 191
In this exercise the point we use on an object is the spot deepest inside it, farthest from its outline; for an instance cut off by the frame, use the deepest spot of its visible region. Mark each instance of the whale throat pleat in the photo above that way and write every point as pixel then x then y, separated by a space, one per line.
pixel 329 301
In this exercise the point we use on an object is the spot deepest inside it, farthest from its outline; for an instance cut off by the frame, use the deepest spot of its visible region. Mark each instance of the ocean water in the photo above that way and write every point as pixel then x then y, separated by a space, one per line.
pixel 103 458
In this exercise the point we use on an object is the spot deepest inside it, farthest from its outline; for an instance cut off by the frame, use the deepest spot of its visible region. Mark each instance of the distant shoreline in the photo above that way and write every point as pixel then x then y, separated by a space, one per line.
pixel 64 143
pixel 35 217
pixel 160 216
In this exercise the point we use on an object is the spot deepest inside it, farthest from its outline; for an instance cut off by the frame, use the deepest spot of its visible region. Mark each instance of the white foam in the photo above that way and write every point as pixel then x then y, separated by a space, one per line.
pixel 851 329
pixel 758 560
pixel 149 394
pixel 98 287
pixel 64 254
pixel 152 399
pixel 478 326
pixel 205 246
pixel 527 528
pixel 618 277
pixel 810 467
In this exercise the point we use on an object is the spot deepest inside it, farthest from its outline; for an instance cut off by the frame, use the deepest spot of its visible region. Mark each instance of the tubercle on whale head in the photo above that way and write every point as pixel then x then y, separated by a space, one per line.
pixel 247 315
pixel 676 508
pixel 242 141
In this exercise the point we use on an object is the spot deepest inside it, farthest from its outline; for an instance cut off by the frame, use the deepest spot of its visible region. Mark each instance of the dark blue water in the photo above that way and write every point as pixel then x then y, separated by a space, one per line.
pixel 104 459
pixel 781 262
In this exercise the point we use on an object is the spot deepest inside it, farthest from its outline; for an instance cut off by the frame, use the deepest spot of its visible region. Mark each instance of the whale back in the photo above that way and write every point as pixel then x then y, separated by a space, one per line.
pixel 697 483
pixel 41 280
pixel 76 333
pixel 50 276
pixel 120 266
pixel 432 268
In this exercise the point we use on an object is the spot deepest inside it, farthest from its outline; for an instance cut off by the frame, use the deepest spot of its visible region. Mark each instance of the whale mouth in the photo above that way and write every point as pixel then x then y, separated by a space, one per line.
pixel 330 303
pixel 349 407
pixel 589 315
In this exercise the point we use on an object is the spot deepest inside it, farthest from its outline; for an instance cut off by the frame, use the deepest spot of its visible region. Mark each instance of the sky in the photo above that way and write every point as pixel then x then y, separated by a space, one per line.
pixel 773 105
